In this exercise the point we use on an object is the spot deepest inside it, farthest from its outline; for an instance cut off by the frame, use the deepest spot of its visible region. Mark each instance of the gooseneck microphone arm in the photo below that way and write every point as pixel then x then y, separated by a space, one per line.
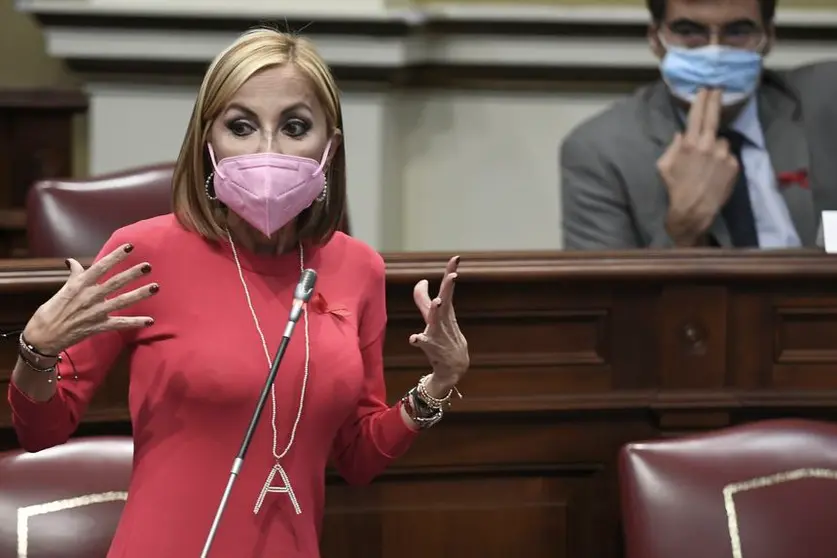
pixel 302 294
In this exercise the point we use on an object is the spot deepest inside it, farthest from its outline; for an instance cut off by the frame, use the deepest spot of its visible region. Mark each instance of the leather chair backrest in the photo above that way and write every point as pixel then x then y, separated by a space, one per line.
pixel 74 218
pixel 761 490
pixel 65 501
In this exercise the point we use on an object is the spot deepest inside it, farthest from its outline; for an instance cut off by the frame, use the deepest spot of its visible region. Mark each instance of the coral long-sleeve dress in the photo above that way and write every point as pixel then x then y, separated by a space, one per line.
pixel 195 377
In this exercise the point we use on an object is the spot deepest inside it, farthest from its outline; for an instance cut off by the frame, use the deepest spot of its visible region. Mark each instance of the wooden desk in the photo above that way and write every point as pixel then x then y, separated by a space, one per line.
pixel 573 355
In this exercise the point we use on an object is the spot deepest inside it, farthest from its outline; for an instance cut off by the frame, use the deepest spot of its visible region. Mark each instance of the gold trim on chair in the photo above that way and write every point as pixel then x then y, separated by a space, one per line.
pixel 24 513
pixel 731 490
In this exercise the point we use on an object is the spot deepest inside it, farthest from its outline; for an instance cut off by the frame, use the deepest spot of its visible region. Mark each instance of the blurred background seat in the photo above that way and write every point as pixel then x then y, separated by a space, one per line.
pixel 63 502
pixel 762 490
pixel 74 218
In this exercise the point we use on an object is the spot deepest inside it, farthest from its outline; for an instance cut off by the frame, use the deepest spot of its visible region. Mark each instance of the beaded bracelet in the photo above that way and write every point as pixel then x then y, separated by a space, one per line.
pixel 33 358
pixel 431 401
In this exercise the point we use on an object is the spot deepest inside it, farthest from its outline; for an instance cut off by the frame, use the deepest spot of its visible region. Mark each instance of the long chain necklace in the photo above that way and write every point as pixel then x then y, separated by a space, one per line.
pixel 277 469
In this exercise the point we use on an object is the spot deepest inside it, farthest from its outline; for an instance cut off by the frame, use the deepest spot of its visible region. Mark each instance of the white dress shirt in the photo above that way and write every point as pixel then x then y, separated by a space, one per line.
pixel 773 221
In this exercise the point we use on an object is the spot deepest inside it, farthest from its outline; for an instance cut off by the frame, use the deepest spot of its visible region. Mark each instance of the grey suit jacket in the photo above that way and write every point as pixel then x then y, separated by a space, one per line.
pixel 613 197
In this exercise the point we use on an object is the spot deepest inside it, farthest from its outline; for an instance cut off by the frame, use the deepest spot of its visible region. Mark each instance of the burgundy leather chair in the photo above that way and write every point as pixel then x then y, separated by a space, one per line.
pixel 761 490
pixel 76 217
pixel 63 502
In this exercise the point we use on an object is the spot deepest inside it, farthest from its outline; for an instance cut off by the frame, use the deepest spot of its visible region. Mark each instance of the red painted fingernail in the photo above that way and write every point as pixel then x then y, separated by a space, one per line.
pixel 149 323
pixel 129 247
pixel 457 259
pixel 67 263
pixel 146 268
pixel 154 288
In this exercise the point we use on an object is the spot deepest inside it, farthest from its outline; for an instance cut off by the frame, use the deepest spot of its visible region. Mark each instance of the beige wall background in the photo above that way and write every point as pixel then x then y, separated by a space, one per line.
pixel 23 58
pixel 25 63
pixel 441 170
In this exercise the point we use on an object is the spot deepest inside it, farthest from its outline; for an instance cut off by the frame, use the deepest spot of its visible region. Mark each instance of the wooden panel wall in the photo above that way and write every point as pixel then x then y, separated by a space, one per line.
pixel 36 141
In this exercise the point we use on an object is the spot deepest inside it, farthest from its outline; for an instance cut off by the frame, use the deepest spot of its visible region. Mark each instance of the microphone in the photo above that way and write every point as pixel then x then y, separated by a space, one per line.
pixel 302 294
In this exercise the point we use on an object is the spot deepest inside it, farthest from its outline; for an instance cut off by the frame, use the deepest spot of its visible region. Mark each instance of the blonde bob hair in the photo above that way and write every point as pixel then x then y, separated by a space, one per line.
pixel 252 52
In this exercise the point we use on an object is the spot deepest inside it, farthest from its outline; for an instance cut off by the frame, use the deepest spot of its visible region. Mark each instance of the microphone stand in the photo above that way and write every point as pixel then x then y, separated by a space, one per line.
pixel 302 294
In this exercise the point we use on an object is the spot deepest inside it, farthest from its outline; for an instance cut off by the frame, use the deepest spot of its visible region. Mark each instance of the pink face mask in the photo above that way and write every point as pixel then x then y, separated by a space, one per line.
pixel 268 190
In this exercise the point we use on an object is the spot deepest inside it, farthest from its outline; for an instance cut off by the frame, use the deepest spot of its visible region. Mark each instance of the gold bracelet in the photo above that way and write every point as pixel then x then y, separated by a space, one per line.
pixel 433 402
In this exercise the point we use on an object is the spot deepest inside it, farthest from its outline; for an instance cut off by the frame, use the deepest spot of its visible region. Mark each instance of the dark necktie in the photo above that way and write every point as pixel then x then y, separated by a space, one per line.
pixel 737 212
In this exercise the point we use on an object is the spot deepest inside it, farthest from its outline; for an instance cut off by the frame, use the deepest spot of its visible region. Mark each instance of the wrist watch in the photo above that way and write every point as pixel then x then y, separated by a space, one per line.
pixel 424 409
pixel 419 412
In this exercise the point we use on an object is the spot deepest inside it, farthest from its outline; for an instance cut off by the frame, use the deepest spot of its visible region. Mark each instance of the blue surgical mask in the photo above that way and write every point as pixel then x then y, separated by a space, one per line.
pixel 736 72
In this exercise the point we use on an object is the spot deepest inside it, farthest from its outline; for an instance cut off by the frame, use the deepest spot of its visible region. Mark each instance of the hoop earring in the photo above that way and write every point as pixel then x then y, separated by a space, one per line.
pixel 324 193
pixel 210 194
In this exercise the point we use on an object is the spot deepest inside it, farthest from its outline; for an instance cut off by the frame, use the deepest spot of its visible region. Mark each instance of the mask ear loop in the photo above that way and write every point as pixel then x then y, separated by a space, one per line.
pixel 324 160
pixel 214 161
pixel 321 198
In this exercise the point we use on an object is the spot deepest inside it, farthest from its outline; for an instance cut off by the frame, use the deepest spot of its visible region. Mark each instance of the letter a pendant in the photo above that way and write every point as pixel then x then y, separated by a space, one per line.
pixel 285 488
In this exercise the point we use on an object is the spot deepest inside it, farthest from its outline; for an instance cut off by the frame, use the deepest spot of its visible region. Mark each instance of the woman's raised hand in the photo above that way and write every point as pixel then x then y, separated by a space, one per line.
pixel 83 306
pixel 442 341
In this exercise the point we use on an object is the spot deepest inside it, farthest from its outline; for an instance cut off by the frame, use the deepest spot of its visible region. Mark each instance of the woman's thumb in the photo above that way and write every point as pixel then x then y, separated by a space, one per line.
pixel 74 267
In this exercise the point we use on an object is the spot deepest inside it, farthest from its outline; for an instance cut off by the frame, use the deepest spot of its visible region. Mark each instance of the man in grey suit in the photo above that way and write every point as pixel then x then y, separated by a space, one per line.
pixel 717 153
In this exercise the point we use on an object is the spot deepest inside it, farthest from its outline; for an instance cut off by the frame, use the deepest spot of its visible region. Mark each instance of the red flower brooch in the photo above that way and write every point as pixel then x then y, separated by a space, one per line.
pixel 795 178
